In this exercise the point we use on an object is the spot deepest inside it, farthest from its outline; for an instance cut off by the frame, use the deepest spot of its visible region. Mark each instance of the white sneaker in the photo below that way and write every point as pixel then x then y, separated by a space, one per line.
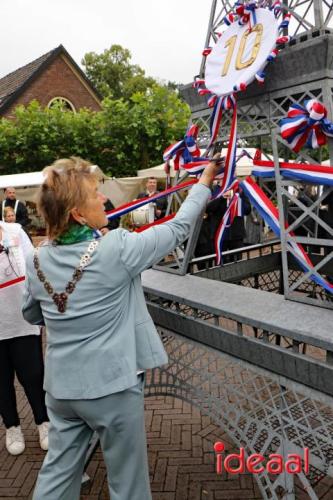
pixel 43 430
pixel 15 440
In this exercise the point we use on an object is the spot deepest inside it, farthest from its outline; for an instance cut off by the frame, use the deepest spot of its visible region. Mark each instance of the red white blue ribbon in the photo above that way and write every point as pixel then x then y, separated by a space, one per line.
pixel 229 19
pixel 221 104
pixel 234 209
pixel 283 39
pixel 133 205
pixel 215 120
pixel 195 168
pixel 230 161
pixel 155 223
pixel 314 174
pixel 187 144
pixel 270 214
pixel 186 152
pixel 285 22
pixel 246 11
pixel 306 125
pixel 227 172
pixel 276 8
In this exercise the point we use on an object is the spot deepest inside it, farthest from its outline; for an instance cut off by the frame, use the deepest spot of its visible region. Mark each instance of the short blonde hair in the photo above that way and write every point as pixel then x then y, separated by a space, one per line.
pixel 8 210
pixel 65 187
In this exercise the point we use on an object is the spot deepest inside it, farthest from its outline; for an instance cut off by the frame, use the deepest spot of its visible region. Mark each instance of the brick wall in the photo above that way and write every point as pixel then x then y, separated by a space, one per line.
pixel 58 79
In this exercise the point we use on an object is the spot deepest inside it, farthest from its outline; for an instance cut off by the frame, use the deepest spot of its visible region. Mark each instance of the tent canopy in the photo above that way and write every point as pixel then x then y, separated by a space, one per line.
pixel 31 179
pixel 244 165
pixel 157 172
pixel 119 191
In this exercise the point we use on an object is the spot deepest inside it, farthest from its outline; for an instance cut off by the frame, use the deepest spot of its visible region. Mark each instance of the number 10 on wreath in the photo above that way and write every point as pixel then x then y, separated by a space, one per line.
pixel 231 43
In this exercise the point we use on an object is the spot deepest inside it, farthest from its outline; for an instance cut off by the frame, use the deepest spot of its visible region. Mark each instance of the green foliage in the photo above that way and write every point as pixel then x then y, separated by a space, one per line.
pixel 138 120
pixel 113 75
pixel 122 138
pixel 37 137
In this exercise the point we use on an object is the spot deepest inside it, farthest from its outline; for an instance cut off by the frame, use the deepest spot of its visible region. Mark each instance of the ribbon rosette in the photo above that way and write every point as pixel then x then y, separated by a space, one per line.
pixel 244 11
pixel 186 153
pixel 306 125
pixel 183 150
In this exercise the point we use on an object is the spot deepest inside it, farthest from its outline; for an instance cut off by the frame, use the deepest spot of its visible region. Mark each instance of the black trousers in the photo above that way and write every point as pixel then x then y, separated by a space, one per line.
pixel 22 356
pixel 232 245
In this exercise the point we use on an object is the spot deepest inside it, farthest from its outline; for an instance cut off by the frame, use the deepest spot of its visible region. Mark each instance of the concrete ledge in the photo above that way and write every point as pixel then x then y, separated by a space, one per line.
pixel 309 324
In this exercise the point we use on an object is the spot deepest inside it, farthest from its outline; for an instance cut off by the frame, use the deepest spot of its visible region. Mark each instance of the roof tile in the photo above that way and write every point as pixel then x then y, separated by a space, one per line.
pixel 14 80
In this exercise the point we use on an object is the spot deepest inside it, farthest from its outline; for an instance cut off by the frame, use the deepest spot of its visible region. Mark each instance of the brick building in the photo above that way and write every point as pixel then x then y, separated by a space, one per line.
pixel 51 78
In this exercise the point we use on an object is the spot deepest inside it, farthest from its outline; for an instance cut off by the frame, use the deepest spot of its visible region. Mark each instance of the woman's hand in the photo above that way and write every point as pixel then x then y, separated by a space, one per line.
pixel 211 171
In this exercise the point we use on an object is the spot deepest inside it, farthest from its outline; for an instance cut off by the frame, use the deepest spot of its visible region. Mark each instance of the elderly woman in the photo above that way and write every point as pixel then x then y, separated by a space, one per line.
pixel 20 344
pixel 100 337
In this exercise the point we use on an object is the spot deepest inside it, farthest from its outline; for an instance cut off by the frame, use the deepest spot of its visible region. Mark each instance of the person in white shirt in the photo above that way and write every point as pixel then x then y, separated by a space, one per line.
pixel 20 342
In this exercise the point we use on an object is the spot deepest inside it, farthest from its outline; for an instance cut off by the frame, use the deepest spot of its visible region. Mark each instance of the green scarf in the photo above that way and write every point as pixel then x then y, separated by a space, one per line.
pixel 75 234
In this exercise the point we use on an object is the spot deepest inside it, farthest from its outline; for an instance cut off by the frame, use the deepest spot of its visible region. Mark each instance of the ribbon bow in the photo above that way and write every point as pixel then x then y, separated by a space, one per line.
pixel 244 11
pixel 306 125
pixel 185 151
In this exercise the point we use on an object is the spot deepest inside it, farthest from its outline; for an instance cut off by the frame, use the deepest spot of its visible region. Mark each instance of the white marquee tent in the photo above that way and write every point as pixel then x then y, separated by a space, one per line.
pixel 118 190
pixel 243 168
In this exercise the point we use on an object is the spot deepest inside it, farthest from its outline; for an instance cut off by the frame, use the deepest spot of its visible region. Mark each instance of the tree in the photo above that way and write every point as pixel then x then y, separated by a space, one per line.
pixel 122 138
pixel 113 75
pixel 36 137
pixel 135 134
pixel 138 120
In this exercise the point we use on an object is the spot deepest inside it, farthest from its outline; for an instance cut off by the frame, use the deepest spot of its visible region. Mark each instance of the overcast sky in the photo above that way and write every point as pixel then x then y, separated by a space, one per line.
pixel 165 37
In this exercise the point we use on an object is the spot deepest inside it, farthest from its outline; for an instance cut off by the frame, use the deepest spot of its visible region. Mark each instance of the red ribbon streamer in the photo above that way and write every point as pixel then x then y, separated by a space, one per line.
pixel 155 223
pixel 12 282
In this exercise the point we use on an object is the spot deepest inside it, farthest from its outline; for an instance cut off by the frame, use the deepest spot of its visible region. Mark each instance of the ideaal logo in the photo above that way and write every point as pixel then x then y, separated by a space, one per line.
pixel 255 463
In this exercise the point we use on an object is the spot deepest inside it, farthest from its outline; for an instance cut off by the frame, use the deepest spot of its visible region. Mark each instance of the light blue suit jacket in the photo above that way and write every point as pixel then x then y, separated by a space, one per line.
pixel 106 334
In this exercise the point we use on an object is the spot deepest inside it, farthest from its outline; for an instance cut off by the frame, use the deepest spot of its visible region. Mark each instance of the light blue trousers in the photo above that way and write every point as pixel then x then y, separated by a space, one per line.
pixel 118 420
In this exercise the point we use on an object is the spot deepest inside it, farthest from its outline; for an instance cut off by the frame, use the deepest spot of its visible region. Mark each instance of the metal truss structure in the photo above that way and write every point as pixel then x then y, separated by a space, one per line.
pixel 277 395
pixel 260 411
pixel 303 70
pixel 268 386
pixel 308 227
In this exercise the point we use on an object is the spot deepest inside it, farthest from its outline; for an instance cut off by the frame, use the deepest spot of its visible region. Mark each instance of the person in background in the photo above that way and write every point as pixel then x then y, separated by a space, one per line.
pixel 19 208
pixel 210 222
pixel 151 189
pixel 9 215
pixel 20 343
pixel 253 228
pixel 112 224
pixel 235 235
pixel 100 336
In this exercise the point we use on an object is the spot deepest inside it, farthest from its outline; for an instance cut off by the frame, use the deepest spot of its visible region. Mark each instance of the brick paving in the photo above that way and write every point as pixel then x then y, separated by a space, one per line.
pixel 181 462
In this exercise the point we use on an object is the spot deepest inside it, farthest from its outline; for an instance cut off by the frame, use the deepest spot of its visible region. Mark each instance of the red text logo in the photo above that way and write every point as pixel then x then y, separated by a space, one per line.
pixel 237 463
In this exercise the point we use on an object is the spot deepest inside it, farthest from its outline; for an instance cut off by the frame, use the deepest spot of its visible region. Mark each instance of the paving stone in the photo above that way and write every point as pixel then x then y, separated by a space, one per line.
pixel 171 478
pixel 181 459
pixel 8 492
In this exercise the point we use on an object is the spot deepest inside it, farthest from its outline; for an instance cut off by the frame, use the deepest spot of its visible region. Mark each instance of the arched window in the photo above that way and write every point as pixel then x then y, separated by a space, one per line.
pixel 62 103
